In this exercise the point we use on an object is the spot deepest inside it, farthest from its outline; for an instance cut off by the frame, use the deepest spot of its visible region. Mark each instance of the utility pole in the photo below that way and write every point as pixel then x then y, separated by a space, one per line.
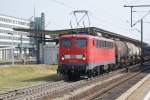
pixel 134 6
pixel 141 20
pixel 141 41
pixel 131 15
pixel 21 44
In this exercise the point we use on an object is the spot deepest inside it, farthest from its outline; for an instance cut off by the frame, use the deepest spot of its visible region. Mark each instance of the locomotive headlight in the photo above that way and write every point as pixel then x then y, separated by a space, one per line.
pixel 83 57
pixel 62 58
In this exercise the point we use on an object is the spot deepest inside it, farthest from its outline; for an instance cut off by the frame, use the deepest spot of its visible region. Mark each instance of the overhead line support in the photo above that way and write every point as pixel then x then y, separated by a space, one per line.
pixel 141 20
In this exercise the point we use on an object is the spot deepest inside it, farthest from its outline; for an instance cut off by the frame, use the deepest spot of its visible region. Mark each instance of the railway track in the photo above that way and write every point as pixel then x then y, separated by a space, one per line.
pixel 23 93
pixel 114 88
pixel 85 83
pixel 39 91
pixel 55 89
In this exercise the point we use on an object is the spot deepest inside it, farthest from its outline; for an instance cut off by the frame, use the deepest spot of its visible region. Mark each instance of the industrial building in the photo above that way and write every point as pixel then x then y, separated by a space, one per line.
pixel 18 45
pixel 14 41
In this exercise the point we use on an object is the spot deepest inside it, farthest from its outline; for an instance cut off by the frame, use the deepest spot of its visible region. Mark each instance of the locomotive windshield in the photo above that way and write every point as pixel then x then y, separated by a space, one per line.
pixel 66 42
pixel 81 42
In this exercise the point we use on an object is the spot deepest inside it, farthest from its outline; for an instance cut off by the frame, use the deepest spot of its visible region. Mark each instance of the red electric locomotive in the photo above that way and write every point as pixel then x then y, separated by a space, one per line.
pixel 85 55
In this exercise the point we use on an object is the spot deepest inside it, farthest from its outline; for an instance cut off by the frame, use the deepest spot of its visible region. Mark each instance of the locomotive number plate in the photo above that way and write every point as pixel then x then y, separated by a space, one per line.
pixel 73 56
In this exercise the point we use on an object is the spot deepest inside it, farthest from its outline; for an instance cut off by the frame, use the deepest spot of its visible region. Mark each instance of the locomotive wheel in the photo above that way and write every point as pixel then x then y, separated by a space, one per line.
pixel 109 67
pixel 69 76
pixel 113 67
pixel 89 73
pixel 94 72
pixel 102 70
pixel 98 70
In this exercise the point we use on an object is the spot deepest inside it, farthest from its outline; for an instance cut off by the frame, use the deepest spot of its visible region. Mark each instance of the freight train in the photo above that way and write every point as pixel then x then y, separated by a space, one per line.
pixel 87 55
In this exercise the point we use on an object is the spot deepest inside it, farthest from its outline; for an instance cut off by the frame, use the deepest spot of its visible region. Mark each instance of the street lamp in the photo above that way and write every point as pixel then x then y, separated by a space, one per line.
pixel 21 44
pixel 12 48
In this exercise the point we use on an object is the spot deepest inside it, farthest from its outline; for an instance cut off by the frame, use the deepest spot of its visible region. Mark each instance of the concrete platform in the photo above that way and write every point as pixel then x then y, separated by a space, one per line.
pixel 140 91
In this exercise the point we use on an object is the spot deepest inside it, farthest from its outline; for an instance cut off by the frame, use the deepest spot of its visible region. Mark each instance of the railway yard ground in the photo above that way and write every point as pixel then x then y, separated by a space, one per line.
pixel 118 84
pixel 133 85
pixel 20 76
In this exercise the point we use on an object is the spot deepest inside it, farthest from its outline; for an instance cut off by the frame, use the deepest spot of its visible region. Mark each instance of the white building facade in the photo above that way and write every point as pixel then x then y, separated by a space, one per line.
pixel 20 41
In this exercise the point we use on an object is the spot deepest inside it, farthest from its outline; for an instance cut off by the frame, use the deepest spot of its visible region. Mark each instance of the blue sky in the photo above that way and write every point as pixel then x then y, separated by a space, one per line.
pixel 106 14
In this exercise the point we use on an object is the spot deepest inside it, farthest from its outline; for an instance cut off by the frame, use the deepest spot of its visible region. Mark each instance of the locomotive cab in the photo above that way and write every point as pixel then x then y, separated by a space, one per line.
pixel 73 55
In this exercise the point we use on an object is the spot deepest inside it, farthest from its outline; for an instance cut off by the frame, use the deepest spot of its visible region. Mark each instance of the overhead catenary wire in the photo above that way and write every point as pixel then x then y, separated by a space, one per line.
pixel 98 19
pixel 132 2
pixel 63 4
pixel 141 18
pixel 73 8
pixel 135 1
pixel 139 11
pixel 107 22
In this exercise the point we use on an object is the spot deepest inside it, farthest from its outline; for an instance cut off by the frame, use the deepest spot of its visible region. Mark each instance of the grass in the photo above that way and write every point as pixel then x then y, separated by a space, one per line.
pixel 20 76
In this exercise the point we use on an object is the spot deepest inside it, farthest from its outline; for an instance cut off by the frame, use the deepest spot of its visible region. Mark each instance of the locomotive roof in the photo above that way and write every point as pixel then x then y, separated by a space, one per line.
pixel 86 36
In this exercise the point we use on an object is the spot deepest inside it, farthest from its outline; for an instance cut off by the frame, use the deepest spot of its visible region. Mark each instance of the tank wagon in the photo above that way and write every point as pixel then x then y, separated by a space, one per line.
pixel 87 55
pixel 126 53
